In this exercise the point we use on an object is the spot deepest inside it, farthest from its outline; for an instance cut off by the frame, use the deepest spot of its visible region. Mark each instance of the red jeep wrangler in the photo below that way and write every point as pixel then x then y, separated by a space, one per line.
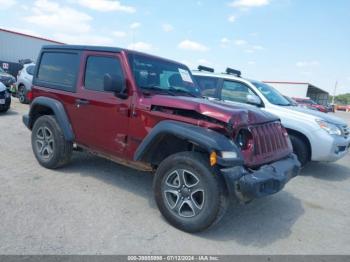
pixel 146 112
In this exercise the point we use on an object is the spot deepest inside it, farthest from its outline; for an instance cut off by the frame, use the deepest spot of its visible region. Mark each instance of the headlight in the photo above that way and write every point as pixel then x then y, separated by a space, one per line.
pixel 229 154
pixel 330 128
pixel 7 94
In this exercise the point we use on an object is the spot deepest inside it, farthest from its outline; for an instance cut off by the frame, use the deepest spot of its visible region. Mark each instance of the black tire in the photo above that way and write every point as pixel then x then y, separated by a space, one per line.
pixel 208 207
pixel 4 109
pixel 48 143
pixel 22 95
pixel 301 149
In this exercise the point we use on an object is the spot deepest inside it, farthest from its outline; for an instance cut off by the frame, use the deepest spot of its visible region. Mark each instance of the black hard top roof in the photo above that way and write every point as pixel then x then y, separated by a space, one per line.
pixel 84 47
pixel 102 49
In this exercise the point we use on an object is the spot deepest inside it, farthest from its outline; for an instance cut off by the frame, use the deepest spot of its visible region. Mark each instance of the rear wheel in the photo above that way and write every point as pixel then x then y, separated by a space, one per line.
pixel 301 149
pixel 48 143
pixel 189 193
pixel 22 95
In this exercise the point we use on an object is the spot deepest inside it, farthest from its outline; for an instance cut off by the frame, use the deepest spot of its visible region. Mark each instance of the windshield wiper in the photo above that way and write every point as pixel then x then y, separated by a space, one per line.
pixel 283 104
pixel 146 89
pixel 178 90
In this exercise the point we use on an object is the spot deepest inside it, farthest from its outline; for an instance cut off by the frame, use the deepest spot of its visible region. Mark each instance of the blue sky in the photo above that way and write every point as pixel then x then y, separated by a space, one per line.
pixel 281 40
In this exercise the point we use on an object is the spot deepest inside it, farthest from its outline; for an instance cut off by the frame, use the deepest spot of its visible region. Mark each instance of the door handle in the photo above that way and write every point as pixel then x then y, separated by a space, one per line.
pixel 81 102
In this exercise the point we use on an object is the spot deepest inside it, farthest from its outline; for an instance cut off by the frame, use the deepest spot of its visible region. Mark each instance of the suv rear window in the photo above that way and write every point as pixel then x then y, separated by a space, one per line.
pixel 58 70
pixel 30 70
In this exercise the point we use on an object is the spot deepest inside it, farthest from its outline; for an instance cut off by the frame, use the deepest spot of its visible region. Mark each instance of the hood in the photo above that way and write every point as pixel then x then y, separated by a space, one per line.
pixel 4 74
pixel 2 87
pixel 327 117
pixel 236 113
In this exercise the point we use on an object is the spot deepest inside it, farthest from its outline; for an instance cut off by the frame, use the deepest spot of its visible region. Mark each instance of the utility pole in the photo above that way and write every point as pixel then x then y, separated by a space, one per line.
pixel 335 91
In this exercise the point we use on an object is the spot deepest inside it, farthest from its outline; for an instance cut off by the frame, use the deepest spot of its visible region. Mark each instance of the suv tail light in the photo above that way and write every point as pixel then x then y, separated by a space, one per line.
pixel 30 96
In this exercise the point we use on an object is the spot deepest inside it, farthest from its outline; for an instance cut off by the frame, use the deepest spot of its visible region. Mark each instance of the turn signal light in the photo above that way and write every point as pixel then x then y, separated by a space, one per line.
pixel 213 158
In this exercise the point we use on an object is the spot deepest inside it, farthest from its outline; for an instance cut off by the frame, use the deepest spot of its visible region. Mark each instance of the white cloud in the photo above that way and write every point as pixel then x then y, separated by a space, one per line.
pixel 119 34
pixel 106 6
pixel 135 25
pixel 240 42
pixel 306 73
pixel 249 3
pixel 249 51
pixel 52 15
pixel 251 63
pixel 167 27
pixel 224 42
pixel 84 39
pixel 193 46
pixel 231 18
pixel 203 61
pixel 25 31
pixel 307 63
pixel 189 64
pixel 140 46
pixel 5 4
pixel 257 47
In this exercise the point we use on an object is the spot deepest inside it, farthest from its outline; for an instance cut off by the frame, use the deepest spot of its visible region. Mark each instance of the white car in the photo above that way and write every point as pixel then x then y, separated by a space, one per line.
pixel 5 98
pixel 24 83
pixel 315 136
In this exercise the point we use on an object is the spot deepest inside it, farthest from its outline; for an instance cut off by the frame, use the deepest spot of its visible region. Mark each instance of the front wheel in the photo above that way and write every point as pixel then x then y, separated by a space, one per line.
pixel 301 149
pixel 189 193
pixel 4 109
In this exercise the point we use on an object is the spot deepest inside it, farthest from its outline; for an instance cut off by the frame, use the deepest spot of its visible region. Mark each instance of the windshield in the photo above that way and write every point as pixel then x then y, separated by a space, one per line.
pixel 271 94
pixel 154 75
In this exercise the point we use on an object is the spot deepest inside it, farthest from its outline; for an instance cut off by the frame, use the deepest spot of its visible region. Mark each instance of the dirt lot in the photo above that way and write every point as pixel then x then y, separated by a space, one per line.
pixel 94 206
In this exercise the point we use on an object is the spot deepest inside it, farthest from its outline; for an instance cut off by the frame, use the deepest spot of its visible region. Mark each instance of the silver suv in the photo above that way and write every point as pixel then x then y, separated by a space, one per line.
pixel 315 136
pixel 24 83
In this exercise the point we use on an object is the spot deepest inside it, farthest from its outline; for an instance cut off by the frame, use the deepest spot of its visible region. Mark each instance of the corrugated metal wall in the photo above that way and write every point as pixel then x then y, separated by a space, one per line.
pixel 14 47
pixel 291 90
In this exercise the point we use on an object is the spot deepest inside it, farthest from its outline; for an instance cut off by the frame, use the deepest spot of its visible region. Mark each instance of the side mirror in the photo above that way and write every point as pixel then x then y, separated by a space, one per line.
pixel 253 99
pixel 113 83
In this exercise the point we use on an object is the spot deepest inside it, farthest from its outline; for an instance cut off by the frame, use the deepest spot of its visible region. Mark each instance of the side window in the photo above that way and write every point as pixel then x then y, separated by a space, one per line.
pixel 97 67
pixel 207 85
pixel 30 70
pixel 58 70
pixel 235 91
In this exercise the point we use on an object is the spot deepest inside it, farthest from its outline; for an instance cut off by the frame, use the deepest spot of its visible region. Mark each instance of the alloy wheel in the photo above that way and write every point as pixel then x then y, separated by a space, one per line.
pixel 45 143
pixel 184 193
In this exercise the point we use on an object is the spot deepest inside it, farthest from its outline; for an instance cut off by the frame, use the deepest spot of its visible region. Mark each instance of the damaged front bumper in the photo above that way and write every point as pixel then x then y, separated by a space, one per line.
pixel 268 180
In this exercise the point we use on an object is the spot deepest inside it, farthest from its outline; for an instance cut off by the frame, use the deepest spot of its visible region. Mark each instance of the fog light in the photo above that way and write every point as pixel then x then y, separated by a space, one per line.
pixel 213 158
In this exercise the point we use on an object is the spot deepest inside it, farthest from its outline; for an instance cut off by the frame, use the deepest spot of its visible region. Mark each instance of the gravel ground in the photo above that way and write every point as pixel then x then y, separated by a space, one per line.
pixel 94 206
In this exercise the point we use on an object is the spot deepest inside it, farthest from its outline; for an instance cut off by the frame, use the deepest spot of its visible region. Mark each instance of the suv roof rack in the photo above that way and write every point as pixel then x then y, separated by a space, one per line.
pixel 231 71
pixel 205 68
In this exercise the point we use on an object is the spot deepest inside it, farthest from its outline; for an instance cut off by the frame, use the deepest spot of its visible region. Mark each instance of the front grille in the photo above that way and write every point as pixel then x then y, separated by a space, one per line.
pixel 269 139
pixel 2 95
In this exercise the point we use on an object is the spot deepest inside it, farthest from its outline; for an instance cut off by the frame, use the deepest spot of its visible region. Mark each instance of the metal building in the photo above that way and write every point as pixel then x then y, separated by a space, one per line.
pixel 301 90
pixel 16 46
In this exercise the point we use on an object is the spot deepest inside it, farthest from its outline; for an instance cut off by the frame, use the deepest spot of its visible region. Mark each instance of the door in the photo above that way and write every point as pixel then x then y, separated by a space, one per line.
pixel 101 119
